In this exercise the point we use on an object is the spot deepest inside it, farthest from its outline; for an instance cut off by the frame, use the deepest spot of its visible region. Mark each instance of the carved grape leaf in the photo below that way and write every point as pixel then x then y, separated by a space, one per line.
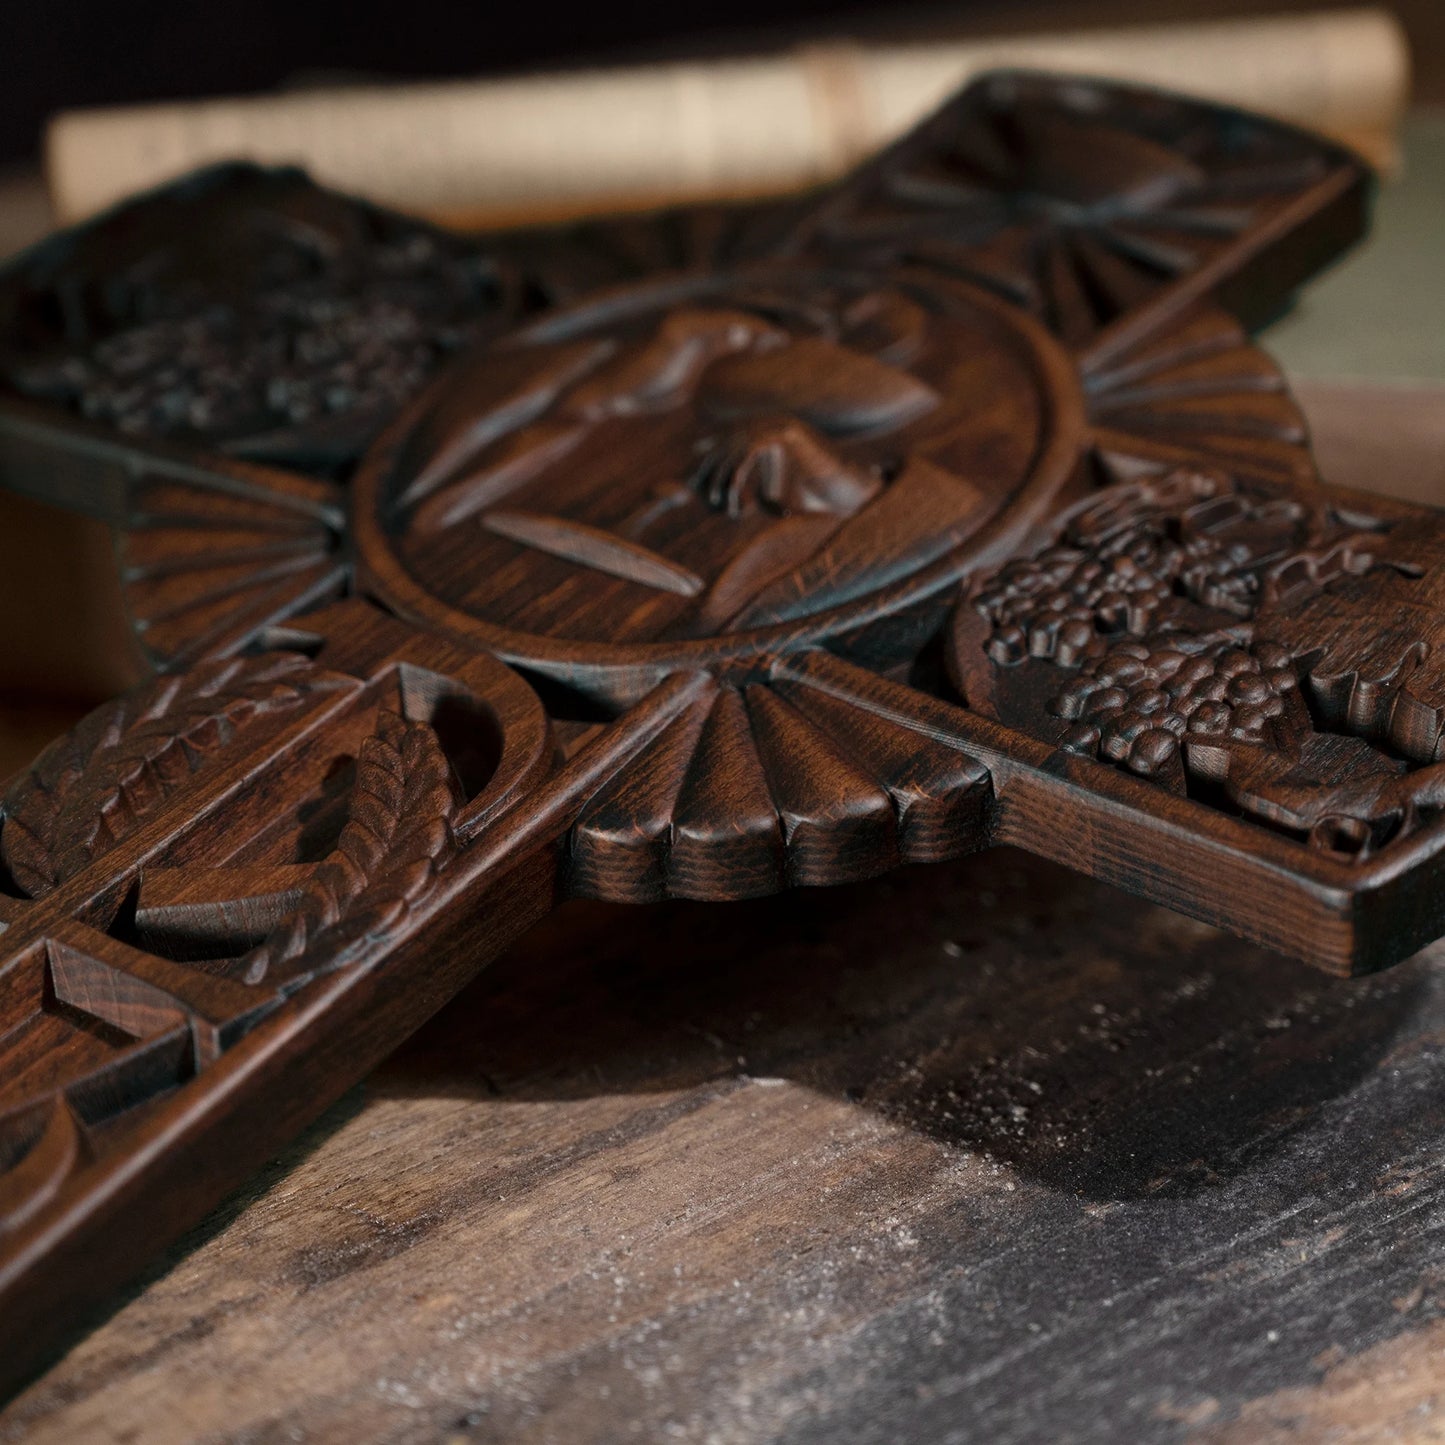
pixel 1339 792
pixel 1373 640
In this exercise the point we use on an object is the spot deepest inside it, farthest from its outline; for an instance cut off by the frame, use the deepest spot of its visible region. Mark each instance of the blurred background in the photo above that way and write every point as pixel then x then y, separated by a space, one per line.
pixel 1365 348
pixel 85 52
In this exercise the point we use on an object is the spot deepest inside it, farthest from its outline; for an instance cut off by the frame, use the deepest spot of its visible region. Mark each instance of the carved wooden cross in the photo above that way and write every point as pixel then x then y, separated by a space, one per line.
pixel 729 550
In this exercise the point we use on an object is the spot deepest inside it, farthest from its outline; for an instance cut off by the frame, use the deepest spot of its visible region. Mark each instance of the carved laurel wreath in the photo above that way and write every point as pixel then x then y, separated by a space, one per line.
pixel 397 838
pixel 94 787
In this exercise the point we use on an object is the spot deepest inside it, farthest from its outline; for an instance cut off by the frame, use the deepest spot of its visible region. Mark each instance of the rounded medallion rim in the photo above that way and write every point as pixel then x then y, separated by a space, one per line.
pixel 383 575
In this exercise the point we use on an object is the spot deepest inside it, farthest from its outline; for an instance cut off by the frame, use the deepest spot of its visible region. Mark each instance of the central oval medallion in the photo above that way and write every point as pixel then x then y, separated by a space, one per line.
pixel 716 466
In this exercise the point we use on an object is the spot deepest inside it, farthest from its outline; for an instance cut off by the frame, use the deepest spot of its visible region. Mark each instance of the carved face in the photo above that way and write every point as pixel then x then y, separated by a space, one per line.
pixel 717 456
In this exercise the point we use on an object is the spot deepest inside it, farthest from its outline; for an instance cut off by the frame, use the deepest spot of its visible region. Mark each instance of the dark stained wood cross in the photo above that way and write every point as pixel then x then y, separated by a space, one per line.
pixel 701 556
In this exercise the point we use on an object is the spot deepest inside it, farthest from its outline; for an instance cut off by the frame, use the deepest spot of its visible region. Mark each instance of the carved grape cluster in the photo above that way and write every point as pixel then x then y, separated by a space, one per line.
pixel 1059 603
pixel 351 336
pixel 1151 595
pixel 1137 703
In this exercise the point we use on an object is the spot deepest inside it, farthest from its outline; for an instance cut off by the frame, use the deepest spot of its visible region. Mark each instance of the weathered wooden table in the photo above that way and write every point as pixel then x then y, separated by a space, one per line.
pixel 979 1152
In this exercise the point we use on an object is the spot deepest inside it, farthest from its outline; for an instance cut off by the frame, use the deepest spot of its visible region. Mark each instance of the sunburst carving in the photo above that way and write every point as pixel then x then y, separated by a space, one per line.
pixel 1196 393
pixel 816 774
pixel 1077 202
pixel 207 563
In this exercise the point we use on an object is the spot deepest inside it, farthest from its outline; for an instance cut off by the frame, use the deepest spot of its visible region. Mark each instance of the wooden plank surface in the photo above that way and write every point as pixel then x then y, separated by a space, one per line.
pixel 982 1151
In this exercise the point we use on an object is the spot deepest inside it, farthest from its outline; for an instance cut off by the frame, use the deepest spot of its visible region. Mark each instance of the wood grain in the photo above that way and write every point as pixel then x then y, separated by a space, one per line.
pixel 978 1150
pixel 947 508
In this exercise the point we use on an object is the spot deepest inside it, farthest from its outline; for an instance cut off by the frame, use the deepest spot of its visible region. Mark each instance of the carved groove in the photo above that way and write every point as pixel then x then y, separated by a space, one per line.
pixel 576 542
pixel 29 1184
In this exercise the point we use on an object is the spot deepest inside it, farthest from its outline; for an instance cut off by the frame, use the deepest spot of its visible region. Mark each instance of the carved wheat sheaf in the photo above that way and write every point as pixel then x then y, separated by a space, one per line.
pixel 397 837
pixel 162 1020
pixel 91 788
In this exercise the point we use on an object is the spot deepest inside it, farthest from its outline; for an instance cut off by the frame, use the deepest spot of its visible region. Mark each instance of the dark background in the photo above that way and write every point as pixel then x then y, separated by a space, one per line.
pixel 61 53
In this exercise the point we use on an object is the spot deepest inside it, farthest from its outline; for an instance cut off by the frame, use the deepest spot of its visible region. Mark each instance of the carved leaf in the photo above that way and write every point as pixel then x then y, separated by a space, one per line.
pixel 397 837
pixel 91 788
pixel 1375 640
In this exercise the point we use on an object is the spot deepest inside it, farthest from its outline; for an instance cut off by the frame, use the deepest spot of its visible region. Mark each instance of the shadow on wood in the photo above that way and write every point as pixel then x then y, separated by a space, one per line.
pixel 1001 1005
